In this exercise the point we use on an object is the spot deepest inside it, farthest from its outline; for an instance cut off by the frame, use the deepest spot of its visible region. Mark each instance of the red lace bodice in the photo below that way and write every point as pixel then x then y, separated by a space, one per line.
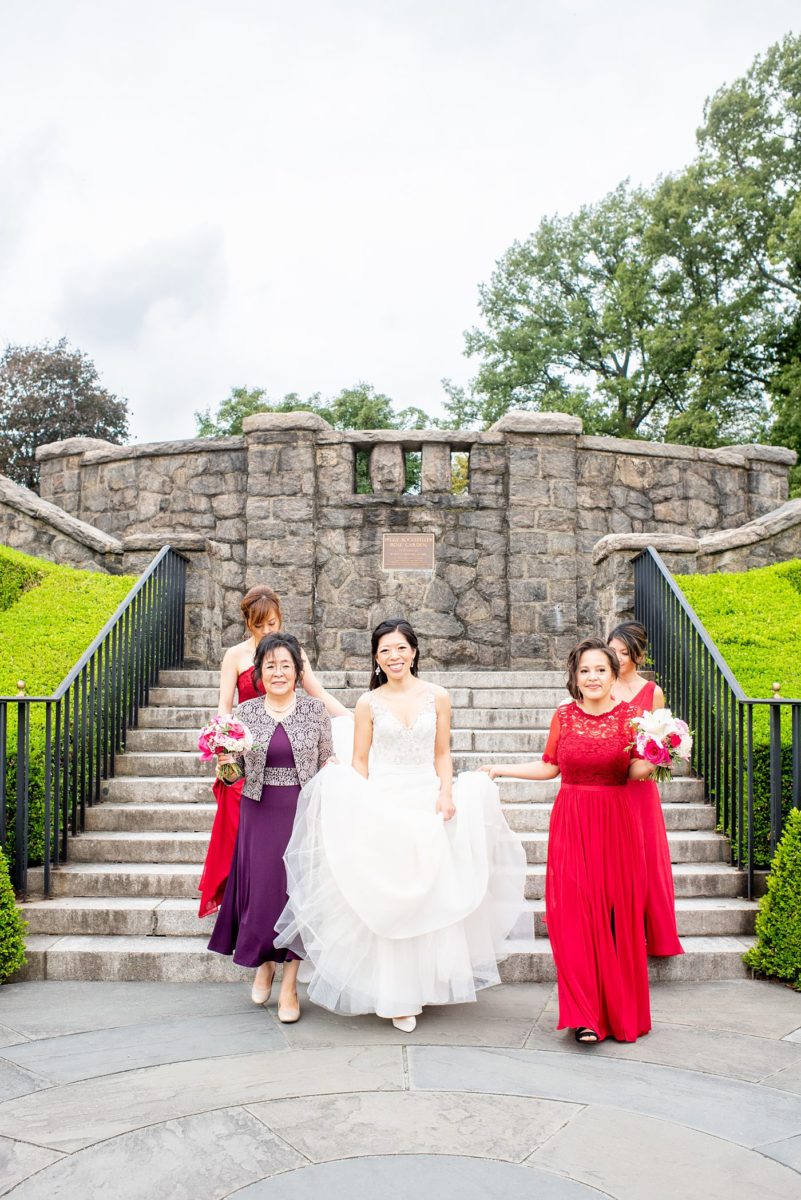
pixel 244 686
pixel 589 749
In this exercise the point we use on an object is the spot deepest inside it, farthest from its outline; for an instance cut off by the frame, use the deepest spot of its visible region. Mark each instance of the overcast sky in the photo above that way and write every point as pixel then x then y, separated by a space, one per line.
pixel 301 194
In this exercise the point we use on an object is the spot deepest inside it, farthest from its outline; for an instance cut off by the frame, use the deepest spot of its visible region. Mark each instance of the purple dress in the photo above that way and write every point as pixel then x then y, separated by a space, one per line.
pixel 255 894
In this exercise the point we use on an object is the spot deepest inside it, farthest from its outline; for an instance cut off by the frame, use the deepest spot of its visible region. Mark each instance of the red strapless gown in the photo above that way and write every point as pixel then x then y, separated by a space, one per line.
pixel 660 908
pixel 220 853
pixel 595 877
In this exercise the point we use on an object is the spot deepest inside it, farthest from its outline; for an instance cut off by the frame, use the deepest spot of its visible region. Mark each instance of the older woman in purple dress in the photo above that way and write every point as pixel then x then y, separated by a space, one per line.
pixel 292 742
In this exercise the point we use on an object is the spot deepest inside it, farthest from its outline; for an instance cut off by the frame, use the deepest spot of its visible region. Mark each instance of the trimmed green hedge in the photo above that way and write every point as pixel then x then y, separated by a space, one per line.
pixel 12 927
pixel 778 926
pixel 54 616
pixel 17 574
pixel 754 618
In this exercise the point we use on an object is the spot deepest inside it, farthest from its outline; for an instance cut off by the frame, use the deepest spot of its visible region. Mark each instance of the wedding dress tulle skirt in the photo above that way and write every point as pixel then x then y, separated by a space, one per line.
pixel 393 907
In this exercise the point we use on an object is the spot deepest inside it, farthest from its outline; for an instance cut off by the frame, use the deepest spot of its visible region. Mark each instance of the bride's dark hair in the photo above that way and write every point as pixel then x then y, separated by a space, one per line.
pixel 397 626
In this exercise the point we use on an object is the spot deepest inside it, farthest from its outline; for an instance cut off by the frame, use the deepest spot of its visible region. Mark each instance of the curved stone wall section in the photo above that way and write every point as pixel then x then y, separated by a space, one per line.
pixel 514 581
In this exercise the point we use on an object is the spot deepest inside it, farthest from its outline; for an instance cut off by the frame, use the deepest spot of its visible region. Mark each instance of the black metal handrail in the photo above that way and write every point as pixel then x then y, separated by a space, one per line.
pixel 700 687
pixel 84 723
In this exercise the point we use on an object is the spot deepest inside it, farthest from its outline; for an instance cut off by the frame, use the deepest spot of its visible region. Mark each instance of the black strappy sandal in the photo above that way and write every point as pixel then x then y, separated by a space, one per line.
pixel 586 1036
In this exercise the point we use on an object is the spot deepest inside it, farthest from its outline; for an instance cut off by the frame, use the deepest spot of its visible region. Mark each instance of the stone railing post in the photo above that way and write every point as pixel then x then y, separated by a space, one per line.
pixel 613 578
pixel 281 512
pixel 542 562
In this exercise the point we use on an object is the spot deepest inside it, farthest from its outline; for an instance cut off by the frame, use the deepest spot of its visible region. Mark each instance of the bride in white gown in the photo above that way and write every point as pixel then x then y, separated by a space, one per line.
pixel 402 885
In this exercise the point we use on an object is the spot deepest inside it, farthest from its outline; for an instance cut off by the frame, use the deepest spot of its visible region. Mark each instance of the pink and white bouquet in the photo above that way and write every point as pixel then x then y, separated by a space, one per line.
pixel 662 739
pixel 225 735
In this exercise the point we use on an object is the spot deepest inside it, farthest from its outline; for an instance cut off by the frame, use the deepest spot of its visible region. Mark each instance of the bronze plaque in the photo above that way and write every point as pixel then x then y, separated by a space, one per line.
pixel 408 552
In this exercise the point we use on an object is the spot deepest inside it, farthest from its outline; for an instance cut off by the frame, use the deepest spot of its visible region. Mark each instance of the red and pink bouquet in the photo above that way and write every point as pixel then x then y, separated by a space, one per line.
pixel 225 735
pixel 662 739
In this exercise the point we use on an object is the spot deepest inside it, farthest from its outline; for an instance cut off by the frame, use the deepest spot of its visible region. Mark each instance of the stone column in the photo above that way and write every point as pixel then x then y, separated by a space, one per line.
pixel 281 512
pixel 542 562
pixel 436 468
pixel 768 472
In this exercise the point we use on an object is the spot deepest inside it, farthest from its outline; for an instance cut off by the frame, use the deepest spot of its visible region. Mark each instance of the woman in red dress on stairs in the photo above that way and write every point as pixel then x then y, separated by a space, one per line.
pixel 261 610
pixel 630 643
pixel 595 876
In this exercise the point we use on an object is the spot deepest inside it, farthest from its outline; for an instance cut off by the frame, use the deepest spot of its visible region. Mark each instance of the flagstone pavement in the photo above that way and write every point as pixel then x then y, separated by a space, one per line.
pixel 191 1093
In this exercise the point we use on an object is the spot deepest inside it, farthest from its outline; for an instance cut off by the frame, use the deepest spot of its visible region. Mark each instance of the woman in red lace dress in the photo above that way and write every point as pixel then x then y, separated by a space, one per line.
pixel 630 643
pixel 595 877
pixel 261 610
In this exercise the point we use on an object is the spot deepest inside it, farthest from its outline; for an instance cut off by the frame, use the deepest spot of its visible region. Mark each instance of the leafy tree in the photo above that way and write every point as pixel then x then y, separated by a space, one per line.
pixel 357 407
pixel 675 308
pixel 48 393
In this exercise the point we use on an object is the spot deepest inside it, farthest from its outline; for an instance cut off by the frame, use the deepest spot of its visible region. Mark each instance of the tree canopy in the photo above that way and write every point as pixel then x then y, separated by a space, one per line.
pixel 48 393
pixel 669 312
pixel 357 407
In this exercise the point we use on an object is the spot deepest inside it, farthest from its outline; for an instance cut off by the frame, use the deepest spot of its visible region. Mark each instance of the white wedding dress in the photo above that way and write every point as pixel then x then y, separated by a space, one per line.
pixel 393 907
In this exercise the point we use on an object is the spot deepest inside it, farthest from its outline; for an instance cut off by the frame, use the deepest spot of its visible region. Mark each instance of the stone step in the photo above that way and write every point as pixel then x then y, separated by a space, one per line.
pixel 696 916
pixel 172 789
pixel 168 717
pixel 155 917
pixel 172 741
pixel 527 817
pixel 205 699
pixel 130 847
pixel 186 960
pixel 153 846
pixel 210 678
pixel 705 959
pixel 189 766
pixel 685 847
pixel 160 817
pixel 711 880
pixel 179 880
pixel 522 816
pixel 153 880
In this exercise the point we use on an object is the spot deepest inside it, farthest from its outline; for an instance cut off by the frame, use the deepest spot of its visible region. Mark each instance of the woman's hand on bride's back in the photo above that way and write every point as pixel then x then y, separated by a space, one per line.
pixel 493 771
pixel 446 807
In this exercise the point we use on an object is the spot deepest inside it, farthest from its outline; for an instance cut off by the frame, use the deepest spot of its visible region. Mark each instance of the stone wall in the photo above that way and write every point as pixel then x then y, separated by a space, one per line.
pixel 514 581
pixel 772 538
pixel 37 527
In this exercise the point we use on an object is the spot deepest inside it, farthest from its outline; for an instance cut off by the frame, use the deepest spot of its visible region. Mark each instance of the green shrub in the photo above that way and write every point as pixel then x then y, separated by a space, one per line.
pixel 17 574
pixel 754 618
pixel 778 926
pixel 44 632
pixel 12 927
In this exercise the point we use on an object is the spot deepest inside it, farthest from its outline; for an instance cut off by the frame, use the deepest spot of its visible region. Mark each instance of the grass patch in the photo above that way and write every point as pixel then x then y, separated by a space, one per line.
pixel 54 614
pixel 754 618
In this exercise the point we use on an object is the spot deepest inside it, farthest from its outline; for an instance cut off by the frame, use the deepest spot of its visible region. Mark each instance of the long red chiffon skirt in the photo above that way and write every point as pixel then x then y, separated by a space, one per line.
pixel 660 905
pixel 594 897
pixel 217 866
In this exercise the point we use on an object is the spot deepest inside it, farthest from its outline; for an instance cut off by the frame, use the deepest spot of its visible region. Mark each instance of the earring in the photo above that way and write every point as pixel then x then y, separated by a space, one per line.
pixel 378 670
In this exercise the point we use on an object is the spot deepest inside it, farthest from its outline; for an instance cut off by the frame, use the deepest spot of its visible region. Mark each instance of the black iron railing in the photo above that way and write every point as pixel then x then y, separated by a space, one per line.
pixel 55 750
pixel 748 751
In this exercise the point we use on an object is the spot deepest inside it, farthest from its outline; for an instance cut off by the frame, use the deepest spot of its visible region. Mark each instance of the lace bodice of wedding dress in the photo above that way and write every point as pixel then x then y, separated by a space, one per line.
pixel 397 746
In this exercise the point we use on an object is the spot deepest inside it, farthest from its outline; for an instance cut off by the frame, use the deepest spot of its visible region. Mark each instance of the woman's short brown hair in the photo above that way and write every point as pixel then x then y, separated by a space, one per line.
pixel 574 658
pixel 257 604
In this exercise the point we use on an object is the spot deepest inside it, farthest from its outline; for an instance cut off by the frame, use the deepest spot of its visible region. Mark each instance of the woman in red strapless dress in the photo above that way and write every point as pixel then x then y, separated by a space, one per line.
pixel 261 610
pixel 595 876
pixel 630 643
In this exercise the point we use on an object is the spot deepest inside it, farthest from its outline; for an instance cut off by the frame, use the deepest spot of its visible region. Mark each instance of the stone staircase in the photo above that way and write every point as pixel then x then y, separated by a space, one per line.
pixel 125 905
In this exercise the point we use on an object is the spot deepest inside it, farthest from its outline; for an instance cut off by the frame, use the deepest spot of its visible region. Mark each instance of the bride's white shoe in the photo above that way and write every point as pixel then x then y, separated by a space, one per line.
pixel 405 1024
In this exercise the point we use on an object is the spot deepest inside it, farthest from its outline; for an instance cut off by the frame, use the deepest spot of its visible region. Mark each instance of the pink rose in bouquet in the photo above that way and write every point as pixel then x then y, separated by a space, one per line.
pixel 663 740
pixel 225 735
